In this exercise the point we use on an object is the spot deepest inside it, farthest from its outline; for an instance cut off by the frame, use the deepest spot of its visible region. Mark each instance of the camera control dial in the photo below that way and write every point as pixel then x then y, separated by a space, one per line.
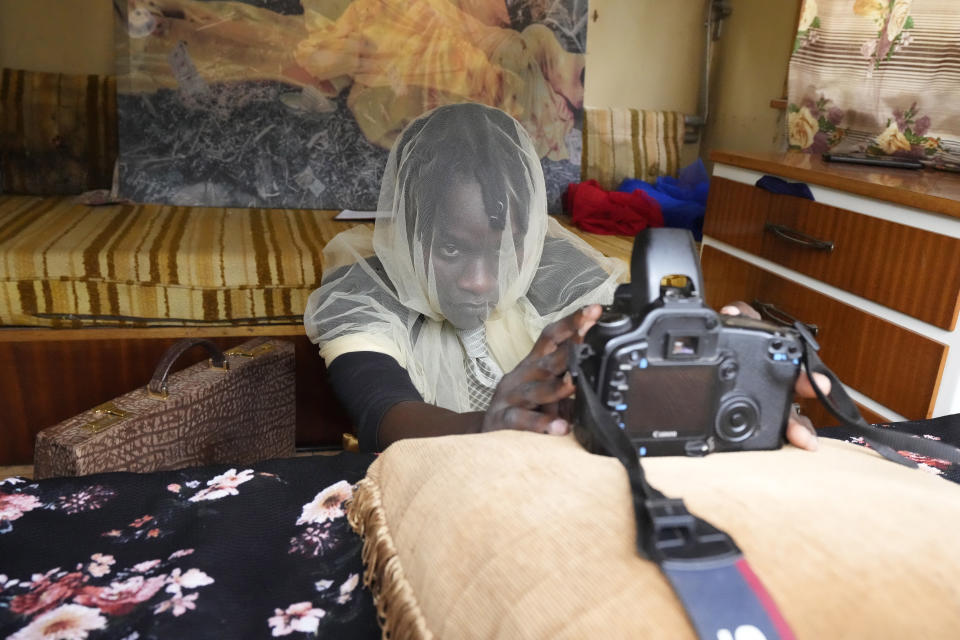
pixel 737 419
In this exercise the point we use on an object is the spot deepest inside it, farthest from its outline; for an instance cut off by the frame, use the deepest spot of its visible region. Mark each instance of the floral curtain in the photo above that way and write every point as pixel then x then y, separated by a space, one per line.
pixel 880 77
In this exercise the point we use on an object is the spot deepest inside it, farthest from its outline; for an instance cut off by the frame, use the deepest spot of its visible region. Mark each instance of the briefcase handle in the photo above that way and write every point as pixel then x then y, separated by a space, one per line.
pixel 157 386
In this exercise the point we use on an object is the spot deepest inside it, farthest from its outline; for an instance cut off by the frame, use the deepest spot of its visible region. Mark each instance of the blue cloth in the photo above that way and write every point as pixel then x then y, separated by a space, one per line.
pixel 683 200
pixel 781 186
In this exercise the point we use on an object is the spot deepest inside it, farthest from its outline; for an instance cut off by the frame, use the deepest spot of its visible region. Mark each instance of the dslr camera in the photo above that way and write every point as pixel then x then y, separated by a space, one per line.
pixel 677 377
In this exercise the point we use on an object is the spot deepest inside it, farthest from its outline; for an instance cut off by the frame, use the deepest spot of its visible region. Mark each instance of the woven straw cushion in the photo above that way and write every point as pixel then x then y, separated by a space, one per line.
pixel 516 535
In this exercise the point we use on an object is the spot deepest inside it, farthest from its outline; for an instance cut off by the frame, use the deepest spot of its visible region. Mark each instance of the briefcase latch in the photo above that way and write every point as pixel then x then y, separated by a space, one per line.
pixel 109 414
pixel 251 353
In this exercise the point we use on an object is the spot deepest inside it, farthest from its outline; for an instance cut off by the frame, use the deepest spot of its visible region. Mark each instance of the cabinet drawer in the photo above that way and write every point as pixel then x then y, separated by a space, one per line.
pixel 901 267
pixel 896 367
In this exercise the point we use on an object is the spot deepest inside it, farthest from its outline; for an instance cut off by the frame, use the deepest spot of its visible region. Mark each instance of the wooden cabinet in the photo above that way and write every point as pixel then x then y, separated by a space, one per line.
pixel 875 267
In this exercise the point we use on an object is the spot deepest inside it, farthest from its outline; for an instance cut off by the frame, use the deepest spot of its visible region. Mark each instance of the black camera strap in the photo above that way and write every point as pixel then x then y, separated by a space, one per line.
pixel 719 591
pixel 886 442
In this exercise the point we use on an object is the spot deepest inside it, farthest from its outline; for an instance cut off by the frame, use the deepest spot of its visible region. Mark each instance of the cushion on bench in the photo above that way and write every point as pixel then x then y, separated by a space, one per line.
pixel 68 265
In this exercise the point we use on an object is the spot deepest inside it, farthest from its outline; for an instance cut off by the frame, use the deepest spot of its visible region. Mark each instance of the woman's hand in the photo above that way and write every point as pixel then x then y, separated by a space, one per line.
pixel 527 398
pixel 800 431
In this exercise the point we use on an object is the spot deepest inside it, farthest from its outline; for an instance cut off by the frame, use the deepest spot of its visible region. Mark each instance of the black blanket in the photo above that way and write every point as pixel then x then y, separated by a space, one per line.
pixel 213 552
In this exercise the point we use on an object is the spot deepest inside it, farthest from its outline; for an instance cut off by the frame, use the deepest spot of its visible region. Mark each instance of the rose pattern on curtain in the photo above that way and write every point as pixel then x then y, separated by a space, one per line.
pixel 880 77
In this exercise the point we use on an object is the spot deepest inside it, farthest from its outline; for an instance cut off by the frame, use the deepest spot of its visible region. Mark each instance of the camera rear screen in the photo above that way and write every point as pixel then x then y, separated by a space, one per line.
pixel 667 398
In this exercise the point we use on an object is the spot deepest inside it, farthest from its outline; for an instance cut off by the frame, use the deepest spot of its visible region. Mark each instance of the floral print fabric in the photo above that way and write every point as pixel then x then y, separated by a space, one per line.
pixel 260 552
pixel 945 429
pixel 880 77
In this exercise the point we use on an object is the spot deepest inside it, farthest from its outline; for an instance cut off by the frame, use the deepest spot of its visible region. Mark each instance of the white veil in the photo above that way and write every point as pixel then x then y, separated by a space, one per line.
pixel 467 196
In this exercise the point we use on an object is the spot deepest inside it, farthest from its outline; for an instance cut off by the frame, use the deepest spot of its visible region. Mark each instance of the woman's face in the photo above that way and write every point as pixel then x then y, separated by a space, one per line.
pixel 465 255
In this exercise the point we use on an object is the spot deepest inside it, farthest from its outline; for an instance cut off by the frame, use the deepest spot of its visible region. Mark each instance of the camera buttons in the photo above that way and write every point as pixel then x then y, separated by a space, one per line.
pixel 696 448
pixel 618 380
pixel 737 419
pixel 613 323
pixel 729 369
pixel 614 399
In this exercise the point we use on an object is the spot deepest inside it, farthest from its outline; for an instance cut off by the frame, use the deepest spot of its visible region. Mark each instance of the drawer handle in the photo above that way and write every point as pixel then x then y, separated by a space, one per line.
pixel 798 237
pixel 772 312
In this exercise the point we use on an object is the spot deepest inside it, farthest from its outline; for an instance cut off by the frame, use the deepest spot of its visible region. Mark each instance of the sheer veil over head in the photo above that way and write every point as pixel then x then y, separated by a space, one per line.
pixel 468 261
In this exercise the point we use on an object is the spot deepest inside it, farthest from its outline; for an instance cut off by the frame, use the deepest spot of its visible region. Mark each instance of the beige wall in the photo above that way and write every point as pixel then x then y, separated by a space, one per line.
pixel 749 70
pixel 66 36
pixel 646 54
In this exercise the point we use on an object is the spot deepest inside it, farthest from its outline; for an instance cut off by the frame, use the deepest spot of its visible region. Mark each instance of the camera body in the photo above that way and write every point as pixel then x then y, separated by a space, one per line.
pixel 674 375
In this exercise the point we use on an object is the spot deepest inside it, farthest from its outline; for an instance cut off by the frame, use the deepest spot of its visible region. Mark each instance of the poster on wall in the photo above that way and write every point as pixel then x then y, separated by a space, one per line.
pixel 295 103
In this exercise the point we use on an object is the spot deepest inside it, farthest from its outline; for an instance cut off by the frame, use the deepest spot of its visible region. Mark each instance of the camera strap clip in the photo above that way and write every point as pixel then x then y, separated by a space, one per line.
pixel 672 524
pixel 672 536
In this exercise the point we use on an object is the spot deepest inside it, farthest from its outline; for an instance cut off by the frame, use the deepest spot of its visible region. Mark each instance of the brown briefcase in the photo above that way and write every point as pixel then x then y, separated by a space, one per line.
pixel 236 408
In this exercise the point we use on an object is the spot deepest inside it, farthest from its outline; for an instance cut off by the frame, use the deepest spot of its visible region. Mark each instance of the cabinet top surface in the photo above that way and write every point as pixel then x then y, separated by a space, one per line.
pixel 926 189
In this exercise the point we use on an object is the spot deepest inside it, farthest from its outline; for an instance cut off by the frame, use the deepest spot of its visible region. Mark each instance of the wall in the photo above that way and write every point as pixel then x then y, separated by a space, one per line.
pixel 749 70
pixel 67 36
pixel 646 54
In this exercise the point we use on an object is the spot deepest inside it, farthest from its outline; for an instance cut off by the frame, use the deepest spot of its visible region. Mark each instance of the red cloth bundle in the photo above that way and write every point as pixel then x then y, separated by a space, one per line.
pixel 610 212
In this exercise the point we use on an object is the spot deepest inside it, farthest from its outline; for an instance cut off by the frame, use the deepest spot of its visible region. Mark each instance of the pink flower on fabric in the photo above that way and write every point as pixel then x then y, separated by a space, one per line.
pixel 191 579
pixel 120 598
pixel 224 485
pixel 139 522
pixel 178 604
pixel 69 622
pixel 302 616
pixel 46 594
pixel 100 565
pixel 88 499
pixel 327 505
pixel 143 567
pixel 14 505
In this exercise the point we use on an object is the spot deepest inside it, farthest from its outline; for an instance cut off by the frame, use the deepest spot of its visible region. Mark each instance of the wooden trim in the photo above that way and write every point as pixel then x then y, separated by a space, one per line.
pixel 778 103
pixel 23 470
pixel 925 189
pixel 43 334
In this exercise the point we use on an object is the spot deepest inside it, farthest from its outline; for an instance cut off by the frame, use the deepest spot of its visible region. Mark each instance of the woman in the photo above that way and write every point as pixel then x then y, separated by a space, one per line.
pixel 466 279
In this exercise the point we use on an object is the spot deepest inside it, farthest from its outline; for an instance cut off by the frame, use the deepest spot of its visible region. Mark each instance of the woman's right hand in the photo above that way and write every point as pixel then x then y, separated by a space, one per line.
pixel 527 397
